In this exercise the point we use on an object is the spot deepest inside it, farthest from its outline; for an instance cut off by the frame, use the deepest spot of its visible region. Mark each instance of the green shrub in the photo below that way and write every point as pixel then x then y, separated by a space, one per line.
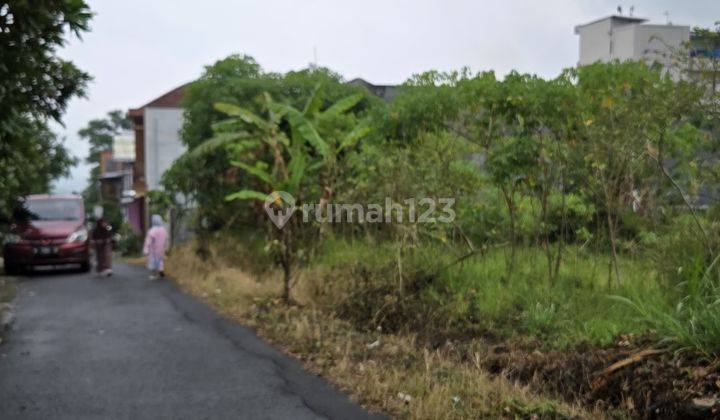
pixel 129 243
pixel 540 317
pixel 693 325
pixel 423 289
pixel 682 254
pixel 691 269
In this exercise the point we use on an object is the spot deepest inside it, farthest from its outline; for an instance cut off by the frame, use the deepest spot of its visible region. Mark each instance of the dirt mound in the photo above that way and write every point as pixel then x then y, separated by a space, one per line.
pixel 630 376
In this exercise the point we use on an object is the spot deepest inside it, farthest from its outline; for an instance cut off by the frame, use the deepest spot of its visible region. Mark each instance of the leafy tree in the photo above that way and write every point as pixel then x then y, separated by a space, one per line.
pixel 208 177
pixel 522 125
pixel 284 172
pixel 35 85
pixel 530 161
pixel 284 158
pixel 512 162
pixel 544 115
pixel 627 112
pixel 425 103
pixel 332 132
pixel 160 202
pixel 30 160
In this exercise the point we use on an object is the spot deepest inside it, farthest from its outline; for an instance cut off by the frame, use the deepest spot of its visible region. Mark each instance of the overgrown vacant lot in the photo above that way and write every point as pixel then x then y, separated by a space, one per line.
pixel 568 266
pixel 471 344
pixel 476 296
pixel 397 373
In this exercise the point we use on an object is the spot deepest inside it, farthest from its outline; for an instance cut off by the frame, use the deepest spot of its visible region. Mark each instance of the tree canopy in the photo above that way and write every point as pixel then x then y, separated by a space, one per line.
pixel 209 177
pixel 35 86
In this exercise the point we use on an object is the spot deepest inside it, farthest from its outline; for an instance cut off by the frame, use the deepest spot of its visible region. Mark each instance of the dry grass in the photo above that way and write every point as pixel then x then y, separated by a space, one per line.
pixel 8 290
pixel 384 372
pixel 8 287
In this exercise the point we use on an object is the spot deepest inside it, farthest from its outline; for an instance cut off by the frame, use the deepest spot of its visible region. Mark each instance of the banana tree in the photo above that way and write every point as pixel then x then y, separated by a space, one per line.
pixel 261 148
pixel 331 132
pixel 292 158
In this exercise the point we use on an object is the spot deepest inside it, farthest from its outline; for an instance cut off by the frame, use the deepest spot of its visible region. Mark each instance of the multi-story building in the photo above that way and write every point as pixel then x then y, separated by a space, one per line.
pixel 629 38
pixel 156 126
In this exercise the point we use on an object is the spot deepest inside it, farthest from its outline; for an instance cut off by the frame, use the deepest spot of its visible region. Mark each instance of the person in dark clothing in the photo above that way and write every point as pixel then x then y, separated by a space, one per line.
pixel 101 239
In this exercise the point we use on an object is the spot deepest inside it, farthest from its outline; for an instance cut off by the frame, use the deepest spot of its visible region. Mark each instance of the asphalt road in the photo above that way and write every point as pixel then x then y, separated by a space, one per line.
pixel 123 347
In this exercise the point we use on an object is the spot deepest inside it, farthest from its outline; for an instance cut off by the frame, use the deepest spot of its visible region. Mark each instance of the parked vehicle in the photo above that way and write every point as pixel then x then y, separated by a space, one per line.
pixel 48 230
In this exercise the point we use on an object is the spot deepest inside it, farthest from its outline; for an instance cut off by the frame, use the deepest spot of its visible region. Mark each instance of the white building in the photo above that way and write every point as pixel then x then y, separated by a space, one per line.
pixel 629 38
pixel 162 142
pixel 156 126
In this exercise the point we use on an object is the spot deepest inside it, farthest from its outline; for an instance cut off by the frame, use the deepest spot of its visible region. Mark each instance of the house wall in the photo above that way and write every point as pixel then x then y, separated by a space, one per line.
pixel 134 214
pixel 615 38
pixel 594 42
pixel 656 42
pixel 138 177
pixel 162 142
pixel 624 46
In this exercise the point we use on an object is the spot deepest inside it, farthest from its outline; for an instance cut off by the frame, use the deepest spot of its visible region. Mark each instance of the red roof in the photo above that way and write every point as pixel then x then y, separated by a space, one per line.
pixel 170 99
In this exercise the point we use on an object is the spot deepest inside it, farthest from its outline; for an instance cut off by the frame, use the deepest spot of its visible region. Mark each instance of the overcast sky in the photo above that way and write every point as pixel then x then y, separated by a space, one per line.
pixel 137 50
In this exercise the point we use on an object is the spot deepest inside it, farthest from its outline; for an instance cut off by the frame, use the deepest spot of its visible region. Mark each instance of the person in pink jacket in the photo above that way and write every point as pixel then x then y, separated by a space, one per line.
pixel 155 247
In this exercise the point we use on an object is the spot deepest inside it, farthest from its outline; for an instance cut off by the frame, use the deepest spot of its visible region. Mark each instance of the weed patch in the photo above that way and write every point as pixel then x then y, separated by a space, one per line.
pixel 389 372
pixel 460 343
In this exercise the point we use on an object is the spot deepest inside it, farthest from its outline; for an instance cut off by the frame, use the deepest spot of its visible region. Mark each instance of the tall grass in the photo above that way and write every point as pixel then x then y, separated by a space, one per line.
pixel 475 296
pixel 689 267
pixel 444 383
pixel 423 289
pixel 694 322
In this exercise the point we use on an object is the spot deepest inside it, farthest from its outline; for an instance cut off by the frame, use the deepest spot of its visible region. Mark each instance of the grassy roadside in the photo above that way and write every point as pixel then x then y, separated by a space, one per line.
pixel 8 289
pixel 402 337
pixel 389 372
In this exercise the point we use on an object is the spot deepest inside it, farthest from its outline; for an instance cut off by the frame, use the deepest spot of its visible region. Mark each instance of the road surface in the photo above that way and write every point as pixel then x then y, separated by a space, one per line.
pixel 123 347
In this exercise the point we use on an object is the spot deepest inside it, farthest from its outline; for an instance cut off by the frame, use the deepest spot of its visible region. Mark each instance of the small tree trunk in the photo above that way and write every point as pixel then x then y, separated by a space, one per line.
pixel 546 234
pixel 286 282
pixel 613 247
pixel 325 227
pixel 286 263
pixel 561 239
pixel 550 259
pixel 513 235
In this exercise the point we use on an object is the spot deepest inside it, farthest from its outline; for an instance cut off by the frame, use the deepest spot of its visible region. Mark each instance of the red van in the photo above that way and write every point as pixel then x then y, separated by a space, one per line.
pixel 49 230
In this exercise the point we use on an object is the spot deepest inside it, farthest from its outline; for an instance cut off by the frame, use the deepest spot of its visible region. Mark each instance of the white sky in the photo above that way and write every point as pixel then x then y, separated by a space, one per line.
pixel 137 49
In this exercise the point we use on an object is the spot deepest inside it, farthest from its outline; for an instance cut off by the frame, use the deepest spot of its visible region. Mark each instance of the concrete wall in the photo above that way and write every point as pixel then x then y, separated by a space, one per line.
pixel 623 39
pixel 594 42
pixel 162 142
pixel 656 42
pixel 617 38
